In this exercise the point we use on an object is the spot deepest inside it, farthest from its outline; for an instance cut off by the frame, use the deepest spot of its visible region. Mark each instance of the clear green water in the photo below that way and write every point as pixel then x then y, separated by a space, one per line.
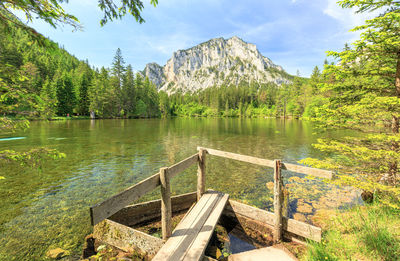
pixel 47 208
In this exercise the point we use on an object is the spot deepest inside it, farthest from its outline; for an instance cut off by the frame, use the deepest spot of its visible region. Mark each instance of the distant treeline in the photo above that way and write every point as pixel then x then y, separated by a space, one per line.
pixel 63 85
pixel 247 100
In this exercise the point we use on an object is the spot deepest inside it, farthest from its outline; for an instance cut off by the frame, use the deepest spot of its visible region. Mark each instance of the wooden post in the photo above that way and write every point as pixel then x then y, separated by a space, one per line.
pixel 278 200
pixel 166 211
pixel 201 174
pixel 285 210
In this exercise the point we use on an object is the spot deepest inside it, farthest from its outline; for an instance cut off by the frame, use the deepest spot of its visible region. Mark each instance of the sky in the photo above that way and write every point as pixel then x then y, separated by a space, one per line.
pixel 293 33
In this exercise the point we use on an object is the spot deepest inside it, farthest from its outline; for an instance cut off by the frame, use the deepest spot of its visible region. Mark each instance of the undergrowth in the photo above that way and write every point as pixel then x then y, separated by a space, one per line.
pixel 369 232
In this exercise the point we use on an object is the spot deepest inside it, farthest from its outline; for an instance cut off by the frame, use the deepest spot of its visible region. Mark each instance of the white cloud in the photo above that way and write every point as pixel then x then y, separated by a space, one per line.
pixel 171 43
pixel 348 17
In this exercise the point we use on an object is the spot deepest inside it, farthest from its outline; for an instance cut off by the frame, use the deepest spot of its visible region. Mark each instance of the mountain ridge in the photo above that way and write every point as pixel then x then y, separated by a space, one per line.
pixel 215 62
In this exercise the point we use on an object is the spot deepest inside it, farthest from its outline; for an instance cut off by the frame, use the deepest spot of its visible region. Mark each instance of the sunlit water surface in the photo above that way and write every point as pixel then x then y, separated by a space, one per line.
pixel 45 208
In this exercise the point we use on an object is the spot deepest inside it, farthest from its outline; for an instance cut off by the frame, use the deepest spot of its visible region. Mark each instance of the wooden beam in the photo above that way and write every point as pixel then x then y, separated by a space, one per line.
pixel 285 210
pixel 126 238
pixel 278 200
pixel 302 229
pixel 193 225
pixel 199 244
pixel 201 174
pixel 320 173
pixel 182 165
pixel 151 210
pixel 129 240
pixel 289 225
pixel 112 205
pixel 249 159
pixel 166 211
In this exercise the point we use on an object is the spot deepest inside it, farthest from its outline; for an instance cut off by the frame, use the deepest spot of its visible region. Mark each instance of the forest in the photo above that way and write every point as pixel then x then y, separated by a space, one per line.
pixel 61 85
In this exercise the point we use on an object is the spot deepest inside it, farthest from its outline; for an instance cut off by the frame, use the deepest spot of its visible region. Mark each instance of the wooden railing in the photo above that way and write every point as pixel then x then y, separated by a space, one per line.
pixel 112 205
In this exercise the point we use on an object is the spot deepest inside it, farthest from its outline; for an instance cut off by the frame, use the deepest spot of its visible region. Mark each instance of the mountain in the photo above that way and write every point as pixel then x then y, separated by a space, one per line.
pixel 216 62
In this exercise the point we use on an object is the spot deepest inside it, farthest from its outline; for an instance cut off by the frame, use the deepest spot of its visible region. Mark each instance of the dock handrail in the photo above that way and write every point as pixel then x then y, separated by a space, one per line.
pixel 110 206
pixel 320 173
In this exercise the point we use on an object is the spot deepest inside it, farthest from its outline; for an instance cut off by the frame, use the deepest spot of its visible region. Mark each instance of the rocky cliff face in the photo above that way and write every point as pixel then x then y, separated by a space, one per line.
pixel 214 63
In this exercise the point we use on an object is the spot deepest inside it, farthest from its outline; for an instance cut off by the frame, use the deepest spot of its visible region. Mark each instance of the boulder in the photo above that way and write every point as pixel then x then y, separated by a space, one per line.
pixel 304 207
pixel 57 253
pixel 299 217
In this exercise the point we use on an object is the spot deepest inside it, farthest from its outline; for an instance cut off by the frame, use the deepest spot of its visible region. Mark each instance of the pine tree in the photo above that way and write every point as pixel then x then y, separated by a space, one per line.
pixel 314 80
pixel 164 104
pixel 363 93
pixel 128 91
pixel 48 95
pixel 118 66
pixel 65 95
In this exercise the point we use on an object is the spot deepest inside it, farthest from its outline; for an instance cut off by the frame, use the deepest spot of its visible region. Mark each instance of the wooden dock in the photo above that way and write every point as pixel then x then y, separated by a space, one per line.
pixel 113 218
pixel 191 236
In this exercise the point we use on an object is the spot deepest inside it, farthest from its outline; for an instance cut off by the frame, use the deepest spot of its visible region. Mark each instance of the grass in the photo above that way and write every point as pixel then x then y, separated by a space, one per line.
pixel 369 232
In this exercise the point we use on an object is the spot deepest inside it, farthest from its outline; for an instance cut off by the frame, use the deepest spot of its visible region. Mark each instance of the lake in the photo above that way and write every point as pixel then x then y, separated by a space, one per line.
pixel 48 207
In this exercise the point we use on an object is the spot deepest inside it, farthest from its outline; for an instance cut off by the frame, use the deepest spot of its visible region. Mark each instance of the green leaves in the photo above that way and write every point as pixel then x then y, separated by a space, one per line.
pixel 52 12
pixel 362 93
pixel 370 5
pixel 132 7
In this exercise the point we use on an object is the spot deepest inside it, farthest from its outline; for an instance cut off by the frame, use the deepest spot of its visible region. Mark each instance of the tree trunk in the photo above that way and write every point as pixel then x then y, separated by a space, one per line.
pixel 393 167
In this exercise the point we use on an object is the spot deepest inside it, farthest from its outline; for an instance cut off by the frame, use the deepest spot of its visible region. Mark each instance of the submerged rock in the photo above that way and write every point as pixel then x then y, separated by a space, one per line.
pixel 270 185
pixel 304 207
pixel 214 251
pixel 88 247
pixel 299 217
pixel 57 253
pixel 367 196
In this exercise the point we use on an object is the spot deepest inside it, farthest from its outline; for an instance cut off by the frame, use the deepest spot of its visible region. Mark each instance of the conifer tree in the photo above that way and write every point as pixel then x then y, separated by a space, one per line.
pixel 118 66
pixel 363 93
pixel 128 91
pixel 48 95
pixel 65 95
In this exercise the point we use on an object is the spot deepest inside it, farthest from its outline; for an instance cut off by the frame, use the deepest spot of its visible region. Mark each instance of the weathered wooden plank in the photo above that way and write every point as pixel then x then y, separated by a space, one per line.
pixel 285 210
pixel 135 214
pixel 293 226
pixel 183 231
pixel 302 229
pixel 278 200
pixel 249 159
pixel 187 230
pixel 320 173
pixel 182 165
pixel 126 238
pixel 196 250
pixel 166 210
pixel 270 163
pixel 201 174
pixel 249 230
pixel 110 206
pixel 192 231
pixel 251 212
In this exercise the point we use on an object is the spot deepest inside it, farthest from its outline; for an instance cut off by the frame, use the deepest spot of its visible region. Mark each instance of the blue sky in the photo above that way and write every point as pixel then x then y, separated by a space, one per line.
pixel 292 33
